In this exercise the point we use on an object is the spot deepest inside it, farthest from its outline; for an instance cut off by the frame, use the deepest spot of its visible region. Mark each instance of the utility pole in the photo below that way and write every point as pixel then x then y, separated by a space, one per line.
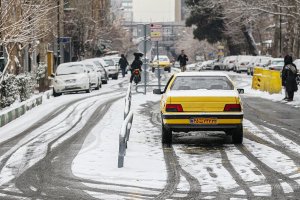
pixel 280 33
pixel 58 34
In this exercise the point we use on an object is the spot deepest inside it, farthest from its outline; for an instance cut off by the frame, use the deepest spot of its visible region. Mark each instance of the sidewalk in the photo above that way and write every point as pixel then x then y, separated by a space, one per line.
pixel 21 108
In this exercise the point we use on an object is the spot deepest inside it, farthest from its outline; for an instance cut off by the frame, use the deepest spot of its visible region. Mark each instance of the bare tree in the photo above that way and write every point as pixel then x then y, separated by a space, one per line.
pixel 22 23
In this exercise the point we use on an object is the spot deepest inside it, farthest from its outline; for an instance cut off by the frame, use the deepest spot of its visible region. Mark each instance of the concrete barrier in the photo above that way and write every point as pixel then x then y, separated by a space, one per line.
pixel 267 80
pixel 9 115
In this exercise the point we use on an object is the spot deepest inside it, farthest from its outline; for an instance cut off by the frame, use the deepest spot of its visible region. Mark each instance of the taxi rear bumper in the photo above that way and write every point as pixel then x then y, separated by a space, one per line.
pixel 182 122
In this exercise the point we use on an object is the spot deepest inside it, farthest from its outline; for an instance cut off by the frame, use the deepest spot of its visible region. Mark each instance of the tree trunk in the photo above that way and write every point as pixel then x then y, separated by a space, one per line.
pixel 232 47
pixel 250 40
pixel 276 39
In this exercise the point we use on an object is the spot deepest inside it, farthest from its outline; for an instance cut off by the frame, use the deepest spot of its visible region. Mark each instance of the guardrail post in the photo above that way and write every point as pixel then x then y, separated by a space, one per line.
pixel 121 152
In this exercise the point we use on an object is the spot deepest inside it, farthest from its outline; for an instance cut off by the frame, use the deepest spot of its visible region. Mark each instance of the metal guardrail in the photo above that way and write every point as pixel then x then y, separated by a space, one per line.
pixel 126 127
pixel 124 138
pixel 127 101
pixel 138 86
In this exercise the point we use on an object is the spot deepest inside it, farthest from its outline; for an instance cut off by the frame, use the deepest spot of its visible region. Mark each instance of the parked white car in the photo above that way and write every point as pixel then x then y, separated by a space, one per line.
pixel 94 73
pixel 229 62
pixel 71 77
pixel 112 68
pixel 100 63
pixel 191 67
pixel 116 60
pixel 242 64
pixel 297 63
pixel 276 64
pixel 208 64
pixel 258 61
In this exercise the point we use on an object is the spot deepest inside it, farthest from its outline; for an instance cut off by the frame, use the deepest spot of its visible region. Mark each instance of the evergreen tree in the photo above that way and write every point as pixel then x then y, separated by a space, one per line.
pixel 208 19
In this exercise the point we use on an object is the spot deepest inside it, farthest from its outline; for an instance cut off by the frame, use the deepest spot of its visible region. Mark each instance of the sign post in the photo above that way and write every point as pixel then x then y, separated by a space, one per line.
pixel 145 60
pixel 156 35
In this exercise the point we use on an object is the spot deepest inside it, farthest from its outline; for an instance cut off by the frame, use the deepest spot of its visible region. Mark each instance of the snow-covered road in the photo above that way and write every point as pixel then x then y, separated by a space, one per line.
pixel 68 149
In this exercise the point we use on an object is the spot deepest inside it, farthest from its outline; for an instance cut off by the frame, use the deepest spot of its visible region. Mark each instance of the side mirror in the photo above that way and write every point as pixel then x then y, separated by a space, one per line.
pixel 241 91
pixel 157 91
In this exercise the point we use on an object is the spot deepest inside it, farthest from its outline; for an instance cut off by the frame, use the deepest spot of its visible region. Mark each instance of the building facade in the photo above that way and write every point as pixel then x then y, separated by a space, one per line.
pixel 127 9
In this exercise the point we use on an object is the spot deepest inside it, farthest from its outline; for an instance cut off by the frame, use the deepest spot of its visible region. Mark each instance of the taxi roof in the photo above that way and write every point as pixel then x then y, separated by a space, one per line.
pixel 201 74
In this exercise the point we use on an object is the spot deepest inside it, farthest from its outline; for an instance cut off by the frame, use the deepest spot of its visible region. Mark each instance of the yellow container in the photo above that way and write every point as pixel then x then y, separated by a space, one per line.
pixel 257 83
pixel 258 70
pixel 266 78
pixel 275 82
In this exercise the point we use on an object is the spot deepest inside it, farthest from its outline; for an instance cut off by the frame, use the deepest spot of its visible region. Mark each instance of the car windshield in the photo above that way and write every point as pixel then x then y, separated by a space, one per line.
pixel 109 62
pixel 69 69
pixel 278 62
pixel 202 83
pixel 163 59
pixel 264 61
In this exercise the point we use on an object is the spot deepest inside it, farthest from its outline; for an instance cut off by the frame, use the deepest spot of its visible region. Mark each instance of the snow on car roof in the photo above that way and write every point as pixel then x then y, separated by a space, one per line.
pixel 212 93
pixel 202 74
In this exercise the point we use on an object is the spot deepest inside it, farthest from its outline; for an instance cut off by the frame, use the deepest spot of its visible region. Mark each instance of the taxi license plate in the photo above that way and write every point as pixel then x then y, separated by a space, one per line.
pixel 204 121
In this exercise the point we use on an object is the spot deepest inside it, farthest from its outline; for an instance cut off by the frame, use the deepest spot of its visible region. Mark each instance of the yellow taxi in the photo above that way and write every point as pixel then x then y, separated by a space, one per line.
pixel 201 101
pixel 162 62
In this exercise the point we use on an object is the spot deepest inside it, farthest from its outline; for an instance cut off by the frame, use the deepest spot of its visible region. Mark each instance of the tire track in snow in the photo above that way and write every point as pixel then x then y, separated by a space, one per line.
pixel 229 167
pixel 40 175
pixel 262 119
pixel 174 170
pixel 272 176
pixel 6 145
pixel 7 157
pixel 278 147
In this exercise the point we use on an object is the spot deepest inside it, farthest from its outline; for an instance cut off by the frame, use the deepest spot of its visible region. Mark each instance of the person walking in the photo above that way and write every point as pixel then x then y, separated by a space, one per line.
pixel 123 64
pixel 136 64
pixel 183 59
pixel 289 75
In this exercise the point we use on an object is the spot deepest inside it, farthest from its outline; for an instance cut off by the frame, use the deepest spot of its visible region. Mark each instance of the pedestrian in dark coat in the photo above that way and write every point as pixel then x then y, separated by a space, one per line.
pixel 289 75
pixel 123 64
pixel 182 58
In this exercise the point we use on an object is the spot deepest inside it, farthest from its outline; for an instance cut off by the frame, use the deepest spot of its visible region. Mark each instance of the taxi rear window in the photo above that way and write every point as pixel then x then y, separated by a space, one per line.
pixel 202 83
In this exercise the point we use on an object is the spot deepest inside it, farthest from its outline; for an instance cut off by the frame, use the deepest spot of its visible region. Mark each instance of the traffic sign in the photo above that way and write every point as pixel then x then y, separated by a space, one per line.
pixel 141 46
pixel 156 32
pixel 141 30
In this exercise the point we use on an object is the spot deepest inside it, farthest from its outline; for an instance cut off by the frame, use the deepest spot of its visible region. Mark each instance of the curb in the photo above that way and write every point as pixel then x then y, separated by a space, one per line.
pixel 10 115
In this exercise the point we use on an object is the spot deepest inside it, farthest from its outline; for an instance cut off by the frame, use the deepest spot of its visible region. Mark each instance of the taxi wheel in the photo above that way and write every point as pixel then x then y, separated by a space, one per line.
pixel 166 135
pixel 237 135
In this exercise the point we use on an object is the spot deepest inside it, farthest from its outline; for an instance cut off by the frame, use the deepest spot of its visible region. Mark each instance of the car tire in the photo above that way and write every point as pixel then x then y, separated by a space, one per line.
pixel 169 70
pixel 56 94
pixel 89 90
pixel 105 81
pixel 237 135
pixel 98 86
pixel 166 136
pixel 217 68
pixel 153 69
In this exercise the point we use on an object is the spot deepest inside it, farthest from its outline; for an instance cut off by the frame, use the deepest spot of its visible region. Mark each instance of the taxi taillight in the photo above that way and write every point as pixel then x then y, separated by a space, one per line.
pixel 174 108
pixel 232 108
